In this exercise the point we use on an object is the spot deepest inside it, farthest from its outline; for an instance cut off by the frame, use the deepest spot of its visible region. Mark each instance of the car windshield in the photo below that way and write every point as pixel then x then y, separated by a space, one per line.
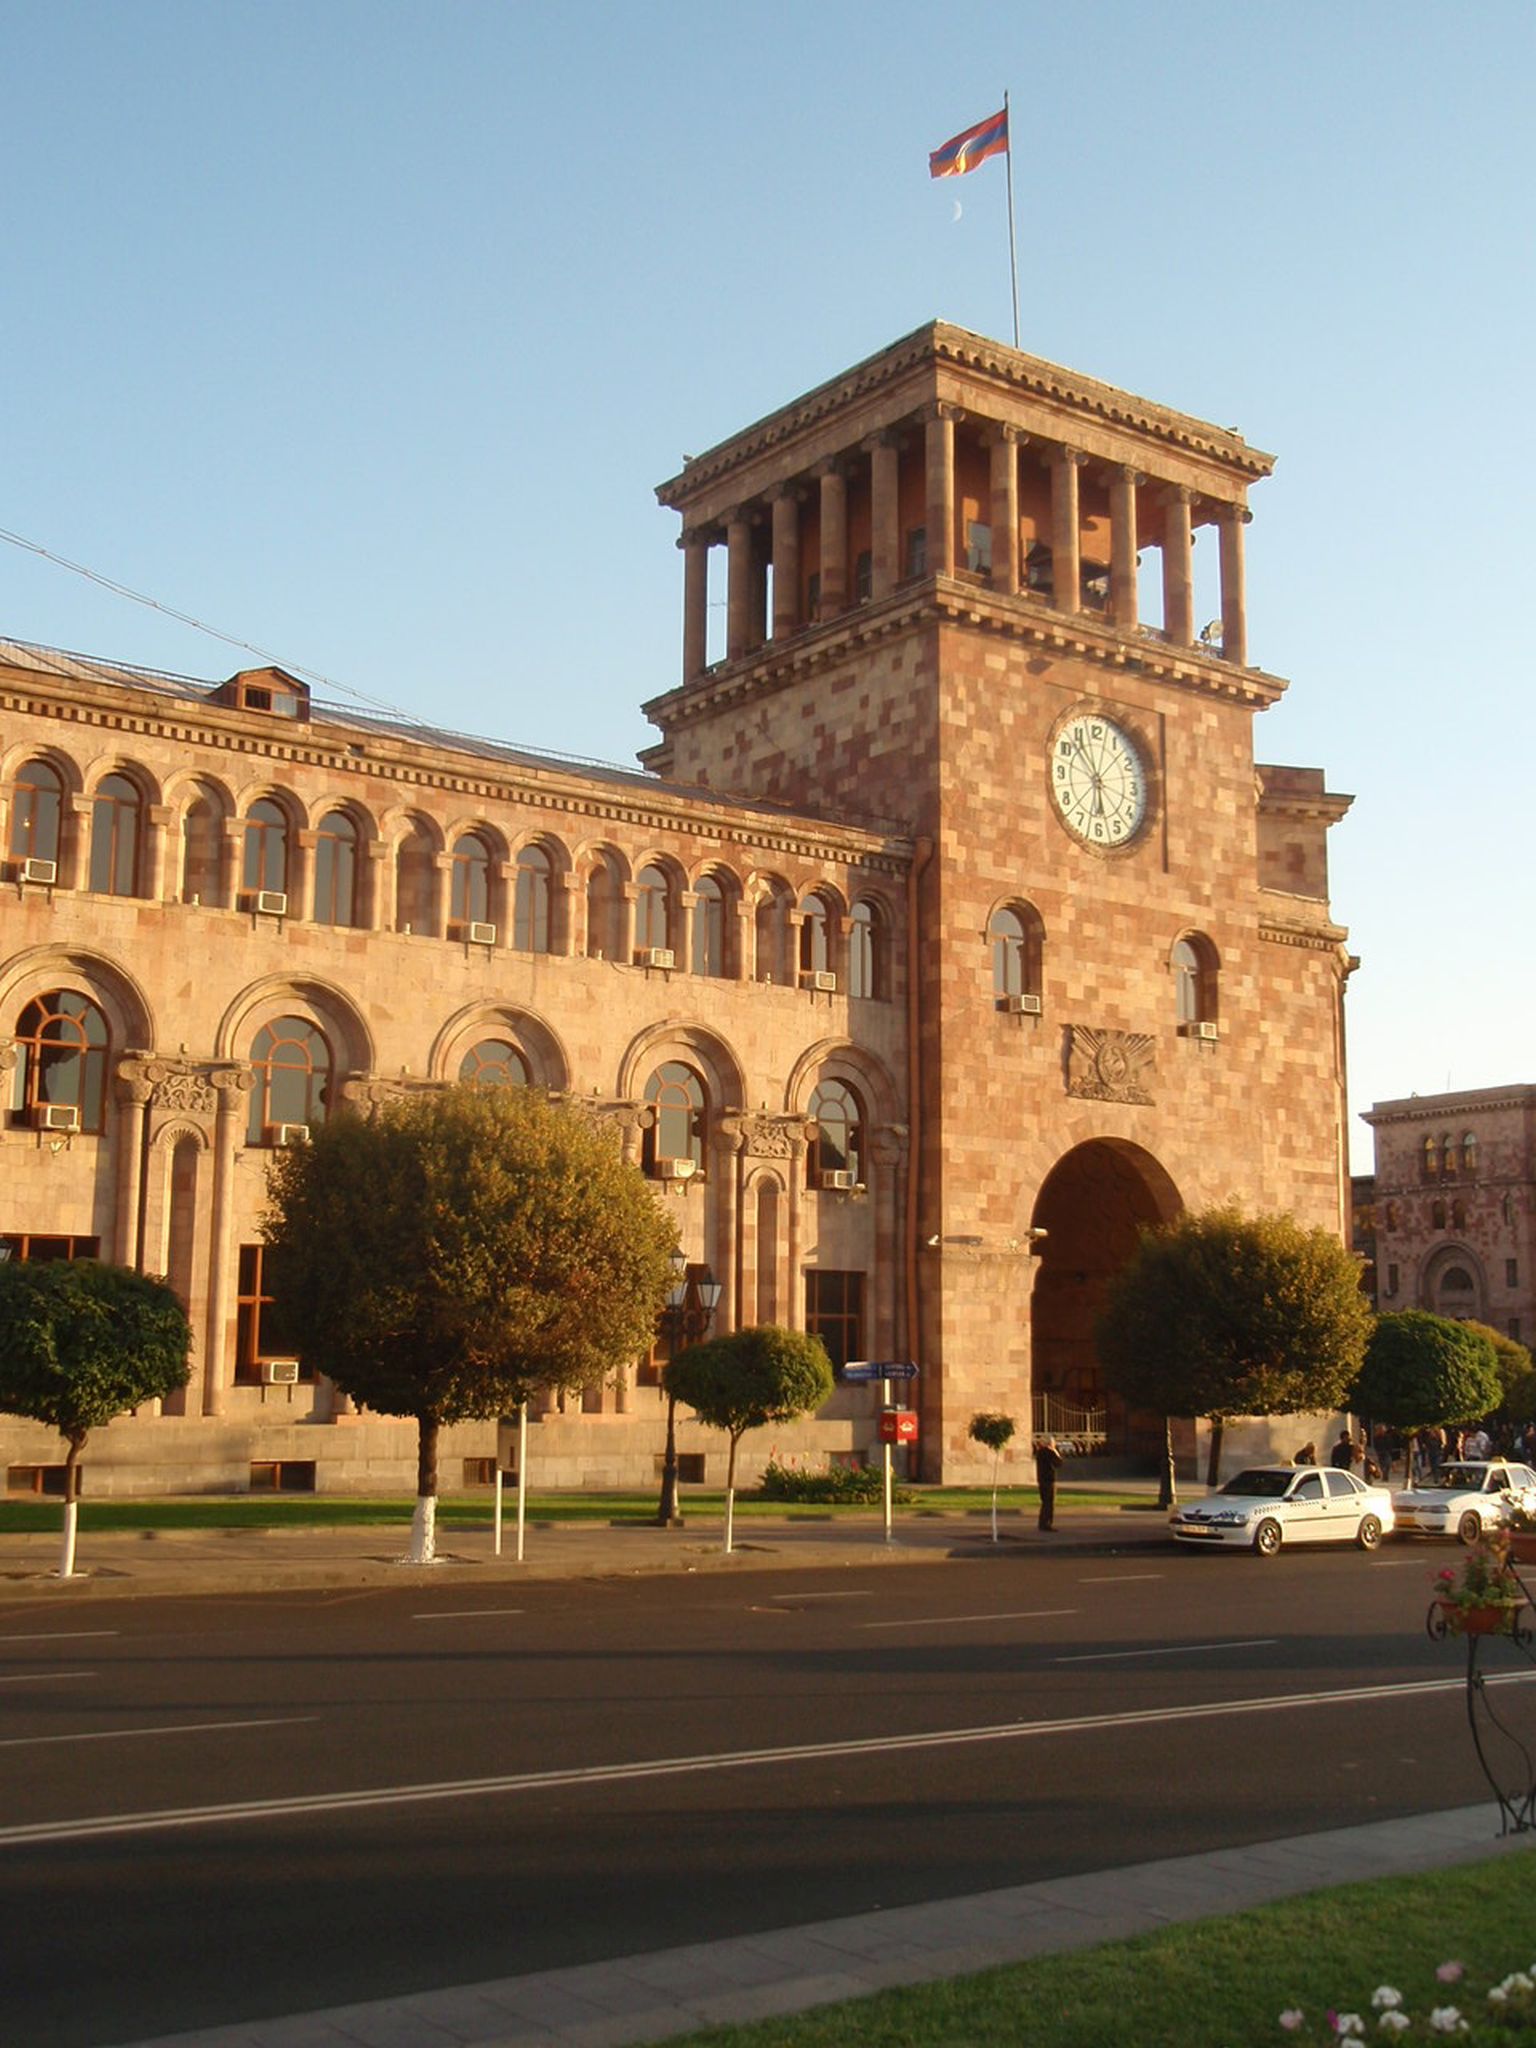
pixel 1260 1484
pixel 1463 1478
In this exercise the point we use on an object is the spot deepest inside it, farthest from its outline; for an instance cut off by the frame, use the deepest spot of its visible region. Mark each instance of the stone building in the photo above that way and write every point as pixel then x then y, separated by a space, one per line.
pixel 1455 1206
pixel 949 933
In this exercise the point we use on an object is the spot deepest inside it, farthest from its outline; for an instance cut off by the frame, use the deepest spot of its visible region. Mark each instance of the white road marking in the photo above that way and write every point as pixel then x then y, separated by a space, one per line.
pixel 588 1775
pixel 1122 1579
pixel 128 1734
pixel 59 1635
pixel 465 1613
pixel 1171 1650
pixel 955 1620
pixel 41 1677
pixel 858 1593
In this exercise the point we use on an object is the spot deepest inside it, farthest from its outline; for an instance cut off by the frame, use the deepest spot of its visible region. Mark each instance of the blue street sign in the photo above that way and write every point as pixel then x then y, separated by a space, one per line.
pixel 860 1369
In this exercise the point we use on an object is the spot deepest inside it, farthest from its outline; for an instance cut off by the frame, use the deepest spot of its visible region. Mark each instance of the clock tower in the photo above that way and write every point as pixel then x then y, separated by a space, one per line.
pixel 959 592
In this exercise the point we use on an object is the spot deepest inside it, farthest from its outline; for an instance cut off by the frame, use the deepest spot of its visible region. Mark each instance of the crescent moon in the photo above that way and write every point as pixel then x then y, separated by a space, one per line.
pixel 959 209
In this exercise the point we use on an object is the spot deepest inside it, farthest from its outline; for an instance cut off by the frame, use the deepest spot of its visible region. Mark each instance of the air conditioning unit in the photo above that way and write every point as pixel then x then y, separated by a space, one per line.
pixel 45 872
pixel 286 1134
pixel 279 1372
pixel 1020 1006
pixel 56 1116
pixel 842 1179
pixel 676 1169
pixel 655 956
pixel 1202 1030
pixel 268 902
pixel 480 934
pixel 824 984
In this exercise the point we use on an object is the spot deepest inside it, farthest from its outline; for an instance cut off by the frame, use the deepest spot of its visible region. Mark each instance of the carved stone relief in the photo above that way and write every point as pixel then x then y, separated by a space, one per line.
pixel 1110 1066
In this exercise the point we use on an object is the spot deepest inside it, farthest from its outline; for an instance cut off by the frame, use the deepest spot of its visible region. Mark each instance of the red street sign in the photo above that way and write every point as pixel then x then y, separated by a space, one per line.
pixel 898 1425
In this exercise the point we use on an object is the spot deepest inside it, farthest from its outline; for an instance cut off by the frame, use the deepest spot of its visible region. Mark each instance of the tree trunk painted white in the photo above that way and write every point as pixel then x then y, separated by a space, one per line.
pixel 423 1548
pixel 67 1549
pixel 522 1475
pixel 997 1459
pixel 730 1494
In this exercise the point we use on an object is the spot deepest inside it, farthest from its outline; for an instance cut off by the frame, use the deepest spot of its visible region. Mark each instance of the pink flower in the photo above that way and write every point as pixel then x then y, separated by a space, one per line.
pixel 1292 2018
pixel 1451 1973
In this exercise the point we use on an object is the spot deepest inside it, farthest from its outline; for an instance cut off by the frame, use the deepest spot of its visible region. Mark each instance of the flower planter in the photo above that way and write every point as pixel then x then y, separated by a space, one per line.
pixel 1497 1618
pixel 1522 1546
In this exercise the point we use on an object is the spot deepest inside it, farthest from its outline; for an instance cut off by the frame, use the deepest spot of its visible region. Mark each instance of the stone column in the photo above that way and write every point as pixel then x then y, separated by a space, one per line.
pixel 1004 442
pixel 1124 599
pixel 231 848
pixel 884 451
pixel 158 879
pixel 1066 531
pixel 939 460
pixel 727 1260
pixel 567 910
pixel 132 1091
pixel 682 936
pixel 442 894
pixel 231 1086
pixel 1234 586
pixel 624 916
pixel 834 540
pixel 301 870
pixel 786 561
pixel 695 547
pixel 887 1149
pixel 1178 567
pixel 794 1201
pixel 738 606
pixel 376 882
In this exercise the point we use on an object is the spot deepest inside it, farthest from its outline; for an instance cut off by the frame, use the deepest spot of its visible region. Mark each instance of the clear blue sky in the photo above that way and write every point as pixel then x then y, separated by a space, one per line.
pixel 364 330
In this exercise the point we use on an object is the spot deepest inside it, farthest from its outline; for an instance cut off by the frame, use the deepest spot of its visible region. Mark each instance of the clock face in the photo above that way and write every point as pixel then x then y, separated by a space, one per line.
pixel 1098 781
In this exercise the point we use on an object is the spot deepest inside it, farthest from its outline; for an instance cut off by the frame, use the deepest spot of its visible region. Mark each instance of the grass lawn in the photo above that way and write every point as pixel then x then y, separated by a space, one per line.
pixel 317 1510
pixel 1220 1984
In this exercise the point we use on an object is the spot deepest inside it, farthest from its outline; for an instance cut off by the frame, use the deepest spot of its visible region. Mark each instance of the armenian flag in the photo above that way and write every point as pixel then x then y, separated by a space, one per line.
pixel 965 151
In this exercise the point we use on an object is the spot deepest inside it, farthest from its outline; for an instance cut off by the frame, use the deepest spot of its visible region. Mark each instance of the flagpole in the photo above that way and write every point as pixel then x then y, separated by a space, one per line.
pixel 1013 255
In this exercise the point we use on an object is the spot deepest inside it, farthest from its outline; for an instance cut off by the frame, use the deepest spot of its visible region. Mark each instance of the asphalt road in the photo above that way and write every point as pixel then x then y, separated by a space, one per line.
pixel 215 1809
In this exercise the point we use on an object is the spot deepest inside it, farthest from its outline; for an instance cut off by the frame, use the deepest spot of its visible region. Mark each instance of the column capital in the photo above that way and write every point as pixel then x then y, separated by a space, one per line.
pixel 883 437
pixel 1178 494
pixel 831 466
pixel 699 536
pixel 1077 457
pixel 1133 478
pixel 998 431
pixel 792 493
pixel 940 409
pixel 743 515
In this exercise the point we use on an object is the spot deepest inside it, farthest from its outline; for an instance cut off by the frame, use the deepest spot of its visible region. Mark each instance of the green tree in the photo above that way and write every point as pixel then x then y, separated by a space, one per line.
pixel 746 1379
pixel 81 1342
pixel 995 1432
pixel 1517 1377
pixel 460 1249
pixel 1422 1370
pixel 1221 1314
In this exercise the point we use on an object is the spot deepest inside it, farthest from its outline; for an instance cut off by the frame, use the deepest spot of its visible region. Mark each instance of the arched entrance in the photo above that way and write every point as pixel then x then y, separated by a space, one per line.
pixel 1090 1206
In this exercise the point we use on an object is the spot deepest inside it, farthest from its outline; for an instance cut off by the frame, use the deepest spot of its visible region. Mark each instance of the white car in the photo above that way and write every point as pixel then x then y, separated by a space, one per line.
pixel 1273 1504
pixel 1469 1495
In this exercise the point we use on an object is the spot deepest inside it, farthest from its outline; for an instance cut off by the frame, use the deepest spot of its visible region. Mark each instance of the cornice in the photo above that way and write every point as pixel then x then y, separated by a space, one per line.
pixel 1434 1109
pixel 1316 938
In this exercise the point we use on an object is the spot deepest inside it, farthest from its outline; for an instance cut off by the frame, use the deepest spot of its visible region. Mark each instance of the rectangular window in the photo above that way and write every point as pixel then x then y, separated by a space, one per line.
pixel 863 577
pixel 255 1340
pixel 690 1467
pixel 47 1479
pixel 978 548
pixel 25 1246
pixel 813 594
pixel 479 1471
pixel 1511 1272
pixel 282 1475
pixel 1391 1282
pixel 834 1312
pixel 1514 1328
pixel 917 551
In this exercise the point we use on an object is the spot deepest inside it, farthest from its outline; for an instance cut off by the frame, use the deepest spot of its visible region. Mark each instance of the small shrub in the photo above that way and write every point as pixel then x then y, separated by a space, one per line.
pixel 832 1485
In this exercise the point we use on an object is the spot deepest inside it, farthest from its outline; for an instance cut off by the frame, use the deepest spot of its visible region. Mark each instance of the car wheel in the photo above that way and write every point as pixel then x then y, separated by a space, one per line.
pixel 1470 1527
pixel 1266 1538
pixel 1368 1535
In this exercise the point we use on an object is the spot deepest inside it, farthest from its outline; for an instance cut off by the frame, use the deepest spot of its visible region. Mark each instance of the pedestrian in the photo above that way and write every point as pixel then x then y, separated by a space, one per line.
pixel 1343 1452
pixel 1047 1465
pixel 1307 1455
pixel 1477 1444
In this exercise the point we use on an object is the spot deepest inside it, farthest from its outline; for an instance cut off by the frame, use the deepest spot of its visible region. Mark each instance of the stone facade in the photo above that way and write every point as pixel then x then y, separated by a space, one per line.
pixel 1454 1206
pixel 939 1025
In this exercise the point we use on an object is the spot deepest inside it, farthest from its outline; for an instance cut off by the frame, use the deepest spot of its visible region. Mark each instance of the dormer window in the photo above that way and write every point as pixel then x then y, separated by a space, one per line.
pixel 271 690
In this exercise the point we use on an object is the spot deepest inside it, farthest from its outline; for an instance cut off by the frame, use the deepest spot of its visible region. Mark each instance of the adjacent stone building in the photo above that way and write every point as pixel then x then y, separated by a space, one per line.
pixel 949 934
pixel 1454 1206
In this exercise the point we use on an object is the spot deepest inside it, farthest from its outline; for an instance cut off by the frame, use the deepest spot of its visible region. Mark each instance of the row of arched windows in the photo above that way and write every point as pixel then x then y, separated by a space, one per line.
pixel 804 939
pixel 1017 936
pixel 1441 1159
pixel 62 1064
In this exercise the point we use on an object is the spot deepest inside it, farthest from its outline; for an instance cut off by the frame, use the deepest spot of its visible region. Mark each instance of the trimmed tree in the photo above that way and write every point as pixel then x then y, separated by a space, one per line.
pixel 1221 1314
pixel 1422 1370
pixel 746 1379
pixel 461 1249
pixel 1517 1376
pixel 996 1433
pixel 81 1342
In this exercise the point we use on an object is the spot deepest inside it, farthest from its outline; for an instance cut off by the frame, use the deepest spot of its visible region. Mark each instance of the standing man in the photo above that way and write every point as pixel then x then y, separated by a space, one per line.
pixel 1047 1465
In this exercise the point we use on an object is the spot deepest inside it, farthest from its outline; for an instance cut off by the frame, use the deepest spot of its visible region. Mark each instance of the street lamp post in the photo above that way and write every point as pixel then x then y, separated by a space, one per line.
pixel 692 1300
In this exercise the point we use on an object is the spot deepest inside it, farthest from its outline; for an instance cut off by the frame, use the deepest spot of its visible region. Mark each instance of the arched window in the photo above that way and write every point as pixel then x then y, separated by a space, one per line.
pixel 116 811
pixel 837 1156
pixel 1194 984
pixel 1458 1214
pixel 495 1063
pixel 1017 938
pixel 201 839
pixel 815 936
pixel 336 870
pixel 530 909
pixel 61 1060
pixel 1447 1157
pixel 415 879
pixel 868 972
pixel 709 927
pixel 266 847
pixel 1469 1152
pixel 37 812
pixel 1437 1215
pixel 676 1134
pixel 653 923
pixel 292 1064
pixel 1429 1160
pixel 470 899
pixel 604 935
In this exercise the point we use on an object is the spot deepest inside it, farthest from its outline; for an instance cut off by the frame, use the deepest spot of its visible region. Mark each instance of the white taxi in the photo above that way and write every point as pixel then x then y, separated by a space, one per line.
pixel 1273 1504
pixel 1469 1496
